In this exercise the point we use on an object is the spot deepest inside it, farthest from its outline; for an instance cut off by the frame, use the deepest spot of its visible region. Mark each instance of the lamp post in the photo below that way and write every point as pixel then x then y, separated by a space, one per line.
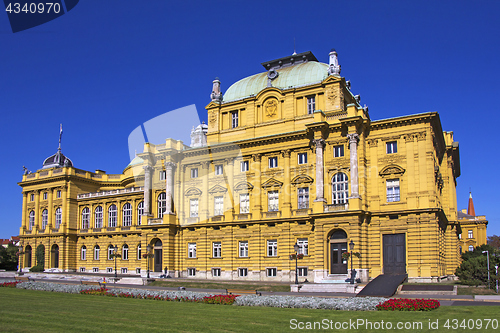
pixel 148 249
pixel 351 247
pixel 115 249
pixel 496 277
pixel 296 248
pixel 488 259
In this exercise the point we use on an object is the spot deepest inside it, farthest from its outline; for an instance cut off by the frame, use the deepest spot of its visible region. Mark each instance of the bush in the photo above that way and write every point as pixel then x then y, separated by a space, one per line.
pixel 405 304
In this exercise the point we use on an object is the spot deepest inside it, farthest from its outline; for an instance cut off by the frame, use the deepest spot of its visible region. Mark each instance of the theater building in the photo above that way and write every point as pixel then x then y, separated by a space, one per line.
pixel 288 157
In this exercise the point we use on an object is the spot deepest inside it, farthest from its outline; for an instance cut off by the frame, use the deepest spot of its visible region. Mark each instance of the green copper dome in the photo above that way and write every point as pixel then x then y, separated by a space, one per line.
pixel 289 77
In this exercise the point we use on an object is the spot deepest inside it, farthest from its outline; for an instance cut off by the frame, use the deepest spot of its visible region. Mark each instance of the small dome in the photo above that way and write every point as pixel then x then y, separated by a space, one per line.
pixel 57 160
pixel 289 77
pixel 136 161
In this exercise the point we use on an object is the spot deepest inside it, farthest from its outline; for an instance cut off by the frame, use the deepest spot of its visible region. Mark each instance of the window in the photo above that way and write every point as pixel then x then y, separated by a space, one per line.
pixel 31 220
pixel 273 162
pixel 191 250
pixel 471 248
pixel 82 269
pixel 58 193
pixel 272 248
pixel 311 104
pixel 85 218
pixel 271 272
pixel 98 217
pixel 109 270
pixel 470 234
pixel 194 173
pixel 45 218
pixel 339 188
pixel 83 253
pixel 242 272
pixel 244 203
pixel 111 251
pixel 124 270
pixel 219 205
pixel 32 197
pixel 44 195
pixel 302 158
pixel 302 271
pixel 191 272
pixel 112 213
pixel 95 269
pixel 162 204
pixel 459 236
pixel 460 249
pixel 137 271
pixel 244 166
pixel 273 201
pixel 125 252
pixel 243 245
pixel 96 252
pixel 193 208
pixel 140 212
pixel 218 170
pixel 303 198
pixel 392 147
pixel 338 151
pixel 303 246
pixel 163 175
pixel 127 215
pixel 215 272
pixel 392 190
pixel 139 252
pixel 216 249
pixel 234 119
pixel 58 217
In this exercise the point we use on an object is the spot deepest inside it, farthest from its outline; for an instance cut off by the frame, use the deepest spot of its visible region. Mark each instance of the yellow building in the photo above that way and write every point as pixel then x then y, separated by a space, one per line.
pixel 289 156
pixel 473 228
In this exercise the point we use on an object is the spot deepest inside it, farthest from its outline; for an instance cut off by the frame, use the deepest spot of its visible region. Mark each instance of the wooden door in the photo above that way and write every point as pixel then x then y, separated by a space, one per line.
pixel 338 264
pixel 394 254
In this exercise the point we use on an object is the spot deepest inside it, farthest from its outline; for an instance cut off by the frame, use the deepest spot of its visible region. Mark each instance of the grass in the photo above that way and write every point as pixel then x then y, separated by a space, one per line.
pixel 472 290
pixel 222 285
pixel 38 311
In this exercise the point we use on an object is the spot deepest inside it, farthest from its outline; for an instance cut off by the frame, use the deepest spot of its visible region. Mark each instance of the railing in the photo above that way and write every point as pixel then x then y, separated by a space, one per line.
pixel 217 218
pixel 336 115
pixel 31 175
pixel 336 207
pixel 112 192
pixel 111 229
pixel 125 228
pixel 96 230
pixel 155 221
pixel 44 173
pixel 84 230
pixel 58 170
pixel 55 230
pixel 302 211
pixel 242 216
pixel 273 214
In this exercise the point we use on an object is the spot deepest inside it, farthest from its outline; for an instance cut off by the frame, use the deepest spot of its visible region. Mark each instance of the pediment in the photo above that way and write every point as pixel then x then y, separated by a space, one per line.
pixel 331 79
pixel 392 170
pixel 302 179
pixel 272 183
pixel 243 186
pixel 217 189
pixel 193 191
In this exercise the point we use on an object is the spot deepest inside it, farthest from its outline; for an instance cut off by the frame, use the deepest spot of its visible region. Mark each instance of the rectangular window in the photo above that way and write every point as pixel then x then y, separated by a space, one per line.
pixel 244 203
pixel 471 248
pixel 302 158
pixel 244 166
pixel 124 270
pixel 96 253
pixel 109 270
pixel 303 246
pixel 191 250
pixel 273 162
pixel 194 173
pixel 216 249
pixel 243 246
pixel 191 272
pixel 273 201
pixel 393 190
pixel 218 170
pixel 125 252
pixel 272 248
pixel 242 272
pixel 392 147
pixel 163 175
pixel 32 197
pixel 303 197
pixel 311 104
pixel 234 119
pixel 218 205
pixel 44 195
pixel 193 208
pixel 82 269
pixel 95 270
pixel 84 253
pixel 459 236
pixel 137 271
pixel 302 271
pixel 215 272
pixel 271 272
pixel 338 151
pixel 470 234
pixel 58 193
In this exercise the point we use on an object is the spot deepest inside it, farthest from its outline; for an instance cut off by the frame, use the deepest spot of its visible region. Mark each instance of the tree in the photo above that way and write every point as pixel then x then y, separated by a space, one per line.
pixel 494 241
pixel 8 257
pixel 473 269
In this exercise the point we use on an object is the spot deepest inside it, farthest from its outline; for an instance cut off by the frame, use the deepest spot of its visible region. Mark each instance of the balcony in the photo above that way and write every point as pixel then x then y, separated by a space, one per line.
pixel 242 216
pixel 336 207
pixel 302 212
pixel 112 192
pixel 270 215
pixel 155 221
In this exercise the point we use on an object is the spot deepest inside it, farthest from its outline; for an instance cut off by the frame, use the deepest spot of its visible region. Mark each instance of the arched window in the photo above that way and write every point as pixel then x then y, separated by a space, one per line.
pixel 58 217
pixel 127 215
pixel 27 256
pixel 140 212
pixel 85 218
pixel 339 188
pixel 112 212
pixel 45 218
pixel 98 217
pixel 139 252
pixel 97 249
pixel 162 204
pixel 111 251
pixel 83 253
pixel 471 248
pixel 125 252
pixel 31 224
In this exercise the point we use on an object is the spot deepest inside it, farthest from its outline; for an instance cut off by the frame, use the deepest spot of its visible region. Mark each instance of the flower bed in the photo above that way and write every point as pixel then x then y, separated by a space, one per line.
pixel 9 284
pixel 405 304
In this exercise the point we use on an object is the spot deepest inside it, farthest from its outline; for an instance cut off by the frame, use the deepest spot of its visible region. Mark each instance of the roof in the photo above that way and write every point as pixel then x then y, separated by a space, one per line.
pixel 136 161
pixel 57 160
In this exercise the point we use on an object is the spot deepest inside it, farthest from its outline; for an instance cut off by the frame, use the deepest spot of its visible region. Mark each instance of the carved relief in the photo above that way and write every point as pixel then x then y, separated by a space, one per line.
pixel 302 179
pixel 421 136
pixel 212 117
pixel 372 142
pixel 272 183
pixel 392 170
pixel 271 107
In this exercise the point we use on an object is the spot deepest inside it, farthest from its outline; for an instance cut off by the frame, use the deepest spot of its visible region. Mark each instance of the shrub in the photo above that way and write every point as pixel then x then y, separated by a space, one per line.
pixel 405 304
pixel 220 299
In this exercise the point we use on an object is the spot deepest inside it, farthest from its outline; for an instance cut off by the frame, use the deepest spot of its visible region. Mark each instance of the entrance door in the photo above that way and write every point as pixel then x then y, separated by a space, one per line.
pixel 158 256
pixel 55 256
pixel 394 254
pixel 338 264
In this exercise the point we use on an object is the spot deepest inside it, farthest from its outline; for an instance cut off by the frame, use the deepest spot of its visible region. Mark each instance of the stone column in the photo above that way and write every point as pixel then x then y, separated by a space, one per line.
pixel 50 217
pixel 230 185
pixel 64 214
pixel 257 192
pixel 320 144
pixel 203 201
pixel 38 224
pixel 353 147
pixel 24 224
pixel 169 186
pixel 287 204
pixel 147 190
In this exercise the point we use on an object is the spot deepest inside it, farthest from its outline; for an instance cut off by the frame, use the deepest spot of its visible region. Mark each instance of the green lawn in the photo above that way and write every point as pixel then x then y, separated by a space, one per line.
pixel 37 311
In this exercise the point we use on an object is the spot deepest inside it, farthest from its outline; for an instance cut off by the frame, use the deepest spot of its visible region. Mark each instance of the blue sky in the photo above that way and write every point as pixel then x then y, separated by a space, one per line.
pixel 107 67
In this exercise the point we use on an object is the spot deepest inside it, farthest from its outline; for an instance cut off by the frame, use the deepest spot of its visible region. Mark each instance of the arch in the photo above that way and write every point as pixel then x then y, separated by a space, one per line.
pixel 98 217
pixel 392 170
pixel 54 256
pixel 302 179
pixel 27 256
pixel 162 204
pixel 157 254
pixel 139 252
pixel 338 234
pixel 85 218
pixel 112 216
pixel 127 215
pixel 340 188
pixel 337 240
pixel 97 251
pixel 111 251
pixel 83 252
pixel 125 252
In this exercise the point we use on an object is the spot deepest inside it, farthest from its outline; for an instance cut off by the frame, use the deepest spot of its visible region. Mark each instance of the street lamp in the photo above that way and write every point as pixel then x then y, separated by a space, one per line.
pixel 488 259
pixel 115 249
pixel 148 249
pixel 296 248
pixel 351 247
pixel 496 278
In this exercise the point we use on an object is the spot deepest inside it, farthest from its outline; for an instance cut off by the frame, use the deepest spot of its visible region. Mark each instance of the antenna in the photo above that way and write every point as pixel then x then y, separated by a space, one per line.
pixel 294 53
